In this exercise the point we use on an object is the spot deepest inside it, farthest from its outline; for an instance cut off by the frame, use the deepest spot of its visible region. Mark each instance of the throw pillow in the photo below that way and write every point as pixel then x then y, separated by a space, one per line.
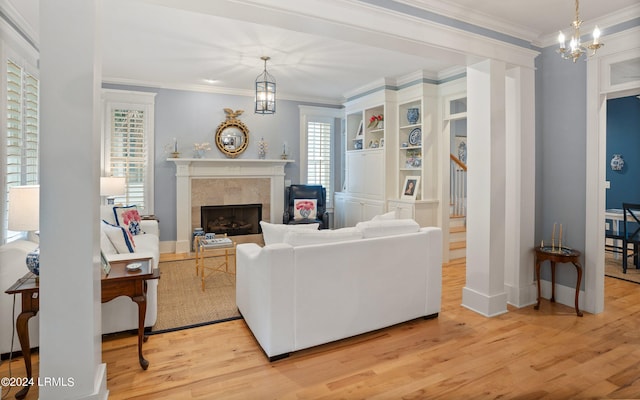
pixel 307 237
pixel 305 209
pixel 129 218
pixel 105 244
pixel 274 233
pixel 121 239
pixel 386 216
pixel 373 229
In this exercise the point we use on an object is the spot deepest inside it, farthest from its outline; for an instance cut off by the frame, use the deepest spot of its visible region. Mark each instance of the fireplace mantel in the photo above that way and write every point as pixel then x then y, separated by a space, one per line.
pixel 218 168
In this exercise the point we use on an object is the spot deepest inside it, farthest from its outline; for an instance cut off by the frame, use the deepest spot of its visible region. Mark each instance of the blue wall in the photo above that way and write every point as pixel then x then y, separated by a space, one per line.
pixel 623 137
pixel 560 153
pixel 193 117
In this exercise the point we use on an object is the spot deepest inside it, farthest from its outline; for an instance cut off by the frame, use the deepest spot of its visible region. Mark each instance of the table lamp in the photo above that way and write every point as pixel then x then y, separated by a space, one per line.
pixel 24 215
pixel 111 186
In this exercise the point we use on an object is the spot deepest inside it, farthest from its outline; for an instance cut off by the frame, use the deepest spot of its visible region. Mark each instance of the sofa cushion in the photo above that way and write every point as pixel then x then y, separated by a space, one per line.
pixel 386 216
pixel 128 217
pixel 274 233
pixel 106 214
pixel 121 239
pixel 373 229
pixel 307 237
pixel 305 209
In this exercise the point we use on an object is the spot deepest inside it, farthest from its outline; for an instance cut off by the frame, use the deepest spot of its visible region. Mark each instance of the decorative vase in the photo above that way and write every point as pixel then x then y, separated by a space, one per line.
pixel 380 124
pixel 197 232
pixel 413 114
pixel 262 149
pixel 198 153
pixel 33 261
pixel 617 163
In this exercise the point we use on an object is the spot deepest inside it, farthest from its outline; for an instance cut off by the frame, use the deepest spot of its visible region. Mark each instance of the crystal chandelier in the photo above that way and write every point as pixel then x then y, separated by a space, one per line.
pixel 576 49
pixel 265 91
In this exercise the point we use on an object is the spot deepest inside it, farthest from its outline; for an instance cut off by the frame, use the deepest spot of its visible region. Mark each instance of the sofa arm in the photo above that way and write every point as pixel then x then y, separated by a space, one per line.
pixel 150 227
pixel 325 220
pixel 265 294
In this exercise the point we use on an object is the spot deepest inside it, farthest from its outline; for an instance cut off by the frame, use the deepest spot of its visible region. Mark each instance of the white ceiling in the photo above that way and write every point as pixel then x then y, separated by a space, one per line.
pixel 168 46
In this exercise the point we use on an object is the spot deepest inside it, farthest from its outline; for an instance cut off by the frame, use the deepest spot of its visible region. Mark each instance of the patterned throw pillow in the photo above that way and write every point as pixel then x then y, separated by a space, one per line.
pixel 129 218
pixel 304 209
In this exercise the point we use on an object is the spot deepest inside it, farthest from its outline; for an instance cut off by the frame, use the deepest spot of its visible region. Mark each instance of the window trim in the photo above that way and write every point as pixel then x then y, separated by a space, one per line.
pixel 315 113
pixel 144 101
pixel 13 48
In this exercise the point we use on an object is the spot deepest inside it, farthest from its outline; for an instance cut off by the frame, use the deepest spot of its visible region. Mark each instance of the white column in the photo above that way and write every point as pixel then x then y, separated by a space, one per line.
pixel 520 187
pixel 70 337
pixel 484 291
pixel 183 206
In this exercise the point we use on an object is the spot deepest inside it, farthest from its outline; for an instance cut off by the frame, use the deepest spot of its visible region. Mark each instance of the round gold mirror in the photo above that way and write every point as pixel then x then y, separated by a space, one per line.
pixel 232 136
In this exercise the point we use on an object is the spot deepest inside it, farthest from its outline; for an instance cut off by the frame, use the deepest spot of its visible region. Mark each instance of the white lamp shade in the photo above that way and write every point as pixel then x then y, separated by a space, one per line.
pixel 24 208
pixel 112 186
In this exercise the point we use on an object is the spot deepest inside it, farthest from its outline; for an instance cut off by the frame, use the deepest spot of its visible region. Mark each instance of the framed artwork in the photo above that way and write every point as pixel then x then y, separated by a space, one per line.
pixel 461 148
pixel 360 129
pixel 410 187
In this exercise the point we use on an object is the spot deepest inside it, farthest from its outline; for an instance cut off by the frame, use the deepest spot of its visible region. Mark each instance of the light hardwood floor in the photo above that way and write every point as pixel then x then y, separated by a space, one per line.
pixel 524 354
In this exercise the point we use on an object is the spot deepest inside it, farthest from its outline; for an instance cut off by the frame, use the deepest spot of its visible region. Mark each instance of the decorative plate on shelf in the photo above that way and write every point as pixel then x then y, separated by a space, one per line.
pixel 415 137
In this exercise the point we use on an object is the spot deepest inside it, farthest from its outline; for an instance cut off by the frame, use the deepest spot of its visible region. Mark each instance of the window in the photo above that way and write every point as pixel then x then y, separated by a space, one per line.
pixel 22 135
pixel 128 144
pixel 317 144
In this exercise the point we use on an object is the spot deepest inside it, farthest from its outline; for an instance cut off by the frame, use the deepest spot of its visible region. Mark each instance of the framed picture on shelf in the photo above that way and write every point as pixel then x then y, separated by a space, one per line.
pixel 410 187
pixel 360 129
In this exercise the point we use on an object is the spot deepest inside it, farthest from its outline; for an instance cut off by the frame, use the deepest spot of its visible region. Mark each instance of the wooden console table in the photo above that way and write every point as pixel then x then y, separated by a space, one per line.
pixel 554 256
pixel 119 282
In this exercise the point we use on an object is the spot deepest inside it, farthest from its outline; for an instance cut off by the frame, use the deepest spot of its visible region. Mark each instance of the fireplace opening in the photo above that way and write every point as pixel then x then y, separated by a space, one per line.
pixel 234 220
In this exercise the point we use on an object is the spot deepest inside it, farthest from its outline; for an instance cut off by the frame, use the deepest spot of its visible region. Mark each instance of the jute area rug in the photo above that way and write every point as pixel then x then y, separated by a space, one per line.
pixel 181 302
pixel 613 269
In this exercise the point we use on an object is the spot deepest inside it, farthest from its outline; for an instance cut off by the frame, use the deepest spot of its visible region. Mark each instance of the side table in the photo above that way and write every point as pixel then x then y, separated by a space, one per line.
pixel 119 282
pixel 556 255
pixel 216 251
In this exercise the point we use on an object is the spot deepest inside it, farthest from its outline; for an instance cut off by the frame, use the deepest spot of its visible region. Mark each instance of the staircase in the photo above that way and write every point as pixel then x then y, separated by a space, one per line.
pixel 458 211
pixel 457 238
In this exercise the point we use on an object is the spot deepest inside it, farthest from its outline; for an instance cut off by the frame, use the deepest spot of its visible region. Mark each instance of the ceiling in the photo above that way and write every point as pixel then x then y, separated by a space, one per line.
pixel 201 45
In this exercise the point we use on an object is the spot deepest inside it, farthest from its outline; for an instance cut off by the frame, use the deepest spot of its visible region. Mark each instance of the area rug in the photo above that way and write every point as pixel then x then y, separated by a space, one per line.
pixel 181 302
pixel 613 269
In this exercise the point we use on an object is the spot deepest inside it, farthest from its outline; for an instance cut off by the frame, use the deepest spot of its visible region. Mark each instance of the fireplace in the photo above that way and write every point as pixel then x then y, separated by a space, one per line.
pixel 233 220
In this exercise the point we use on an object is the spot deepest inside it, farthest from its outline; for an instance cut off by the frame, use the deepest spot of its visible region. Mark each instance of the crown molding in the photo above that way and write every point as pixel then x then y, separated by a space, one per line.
pixel 474 17
pixel 219 90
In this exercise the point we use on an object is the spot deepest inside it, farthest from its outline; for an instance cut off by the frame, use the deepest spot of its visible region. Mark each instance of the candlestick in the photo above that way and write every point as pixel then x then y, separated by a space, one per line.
pixel 175 145
pixel 560 241
pixel 553 237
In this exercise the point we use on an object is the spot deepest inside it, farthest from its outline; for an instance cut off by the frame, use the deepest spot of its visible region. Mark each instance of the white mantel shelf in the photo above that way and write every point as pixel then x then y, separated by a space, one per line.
pixel 222 168
pixel 230 161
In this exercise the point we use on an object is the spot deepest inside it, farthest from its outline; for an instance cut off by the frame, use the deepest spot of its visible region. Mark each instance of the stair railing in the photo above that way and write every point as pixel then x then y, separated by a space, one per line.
pixel 458 187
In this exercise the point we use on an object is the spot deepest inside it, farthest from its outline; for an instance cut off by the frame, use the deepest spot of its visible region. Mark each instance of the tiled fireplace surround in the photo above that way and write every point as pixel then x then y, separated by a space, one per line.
pixel 202 182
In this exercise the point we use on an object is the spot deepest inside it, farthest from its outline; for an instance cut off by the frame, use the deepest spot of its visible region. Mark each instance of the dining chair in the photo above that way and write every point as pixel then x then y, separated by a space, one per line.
pixel 631 233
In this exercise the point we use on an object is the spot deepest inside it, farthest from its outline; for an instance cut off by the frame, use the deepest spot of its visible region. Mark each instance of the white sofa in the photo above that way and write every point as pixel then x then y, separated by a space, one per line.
pixel 296 294
pixel 120 314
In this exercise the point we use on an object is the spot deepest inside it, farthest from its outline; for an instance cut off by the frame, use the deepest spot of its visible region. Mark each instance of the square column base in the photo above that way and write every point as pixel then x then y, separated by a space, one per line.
pixel 489 306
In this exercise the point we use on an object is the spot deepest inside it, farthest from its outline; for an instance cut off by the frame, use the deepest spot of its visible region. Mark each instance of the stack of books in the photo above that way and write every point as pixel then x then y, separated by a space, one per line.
pixel 215 242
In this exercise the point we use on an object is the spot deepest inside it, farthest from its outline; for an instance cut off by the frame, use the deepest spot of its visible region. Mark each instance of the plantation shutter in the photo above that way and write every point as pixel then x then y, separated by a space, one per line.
pixel 319 156
pixel 22 135
pixel 128 153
